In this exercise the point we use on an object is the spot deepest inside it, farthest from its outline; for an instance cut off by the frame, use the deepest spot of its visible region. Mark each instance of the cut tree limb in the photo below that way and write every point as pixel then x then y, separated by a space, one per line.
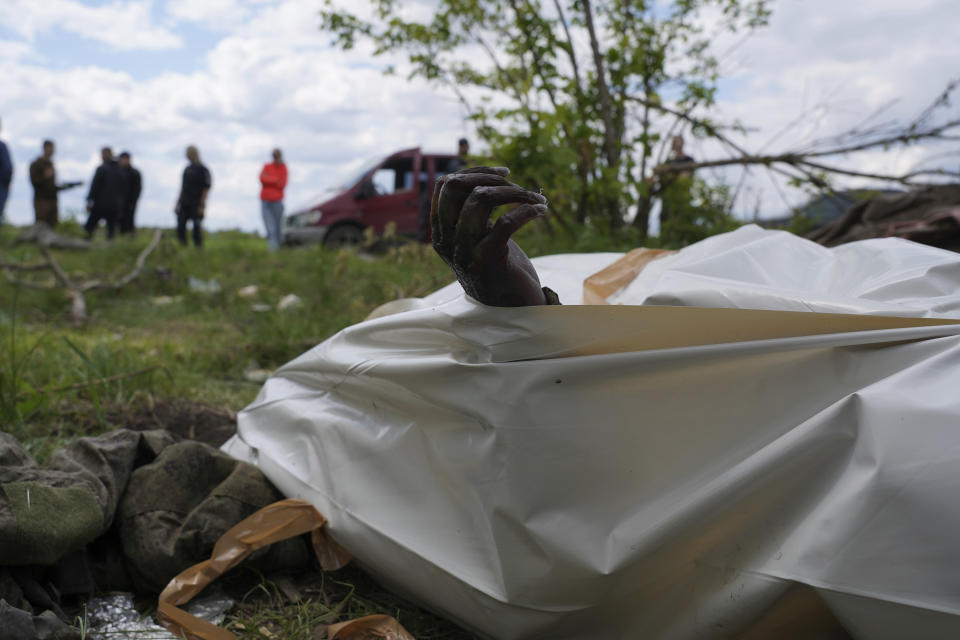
pixel 62 280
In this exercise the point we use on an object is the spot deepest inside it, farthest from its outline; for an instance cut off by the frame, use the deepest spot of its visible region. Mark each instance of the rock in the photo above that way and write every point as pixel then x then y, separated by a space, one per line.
pixel 204 286
pixel 289 301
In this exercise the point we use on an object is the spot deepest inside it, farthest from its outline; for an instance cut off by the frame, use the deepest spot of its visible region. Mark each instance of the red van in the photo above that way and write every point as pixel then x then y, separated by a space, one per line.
pixel 392 190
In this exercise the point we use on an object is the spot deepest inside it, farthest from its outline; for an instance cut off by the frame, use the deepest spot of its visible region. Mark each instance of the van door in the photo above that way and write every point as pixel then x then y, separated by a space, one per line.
pixel 395 196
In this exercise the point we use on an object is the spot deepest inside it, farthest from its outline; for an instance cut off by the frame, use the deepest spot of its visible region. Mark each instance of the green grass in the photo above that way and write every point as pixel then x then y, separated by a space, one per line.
pixel 59 382
pixel 197 345
pixel 187 344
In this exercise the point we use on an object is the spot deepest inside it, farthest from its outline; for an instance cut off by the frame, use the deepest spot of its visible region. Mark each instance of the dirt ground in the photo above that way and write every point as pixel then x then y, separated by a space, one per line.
pixel 190 420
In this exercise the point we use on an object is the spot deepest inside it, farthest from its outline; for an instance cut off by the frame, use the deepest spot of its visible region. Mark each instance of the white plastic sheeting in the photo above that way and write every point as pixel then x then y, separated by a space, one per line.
pixel 648 471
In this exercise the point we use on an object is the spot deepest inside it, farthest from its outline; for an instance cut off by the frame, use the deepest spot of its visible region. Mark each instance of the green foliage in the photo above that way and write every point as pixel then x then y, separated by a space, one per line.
pixel 540 240
pixel 703 213
pixel 18 400
pixel 800 225
pixel 58 381
pixel 569 95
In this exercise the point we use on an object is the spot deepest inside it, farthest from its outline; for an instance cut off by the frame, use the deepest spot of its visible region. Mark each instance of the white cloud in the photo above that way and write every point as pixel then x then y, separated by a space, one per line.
pixel 217 14
pixel 272 81
pixel 270 78
pixel 124 26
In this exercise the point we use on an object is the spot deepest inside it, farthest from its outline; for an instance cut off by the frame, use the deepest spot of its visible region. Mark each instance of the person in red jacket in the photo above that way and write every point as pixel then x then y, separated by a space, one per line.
pixel 273 177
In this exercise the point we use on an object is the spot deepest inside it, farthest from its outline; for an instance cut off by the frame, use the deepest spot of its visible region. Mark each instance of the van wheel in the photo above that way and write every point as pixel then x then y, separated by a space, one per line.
pixel 345 236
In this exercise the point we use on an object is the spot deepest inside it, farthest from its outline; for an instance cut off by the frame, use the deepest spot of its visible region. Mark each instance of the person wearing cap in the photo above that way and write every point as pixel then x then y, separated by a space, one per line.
pixel 273 177
pixel 131 193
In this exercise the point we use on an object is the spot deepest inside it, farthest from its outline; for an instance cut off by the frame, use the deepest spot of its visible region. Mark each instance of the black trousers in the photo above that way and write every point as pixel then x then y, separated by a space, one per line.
pixel 182 219
pixel 126 221
pixel 93 220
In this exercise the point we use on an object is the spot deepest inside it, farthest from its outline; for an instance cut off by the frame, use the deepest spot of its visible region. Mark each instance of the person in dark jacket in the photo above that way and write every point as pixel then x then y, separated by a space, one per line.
pixel 674 185
pixel 191 204
pixel 132 187
pixel 461 161
pixel 105 198
pixel 6 175
pixel 43 177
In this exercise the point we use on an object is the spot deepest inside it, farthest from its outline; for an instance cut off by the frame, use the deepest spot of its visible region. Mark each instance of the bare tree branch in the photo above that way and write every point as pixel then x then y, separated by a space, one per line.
pixel 571 53
pixel 14 266
pixel 606 108
pixel 805 164
pixel 75 290
pixel 134 274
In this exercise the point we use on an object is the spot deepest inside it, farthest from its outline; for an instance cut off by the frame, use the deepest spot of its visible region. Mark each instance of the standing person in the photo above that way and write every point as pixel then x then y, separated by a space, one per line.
pixel 43 177
pixel 463 150
pixel 131 193
pixel 192 201
pixel 273 177
pixel 6 175
pixel 105 198
pixel 674 186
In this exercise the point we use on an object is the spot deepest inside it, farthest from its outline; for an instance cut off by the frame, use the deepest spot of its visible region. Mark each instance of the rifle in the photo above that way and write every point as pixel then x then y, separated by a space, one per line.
pixel 68 185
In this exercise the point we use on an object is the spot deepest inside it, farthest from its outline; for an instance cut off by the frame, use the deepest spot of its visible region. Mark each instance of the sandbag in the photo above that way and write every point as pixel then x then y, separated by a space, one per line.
pixel 633 470
pixel 125 510
pixel 176 508
pixel 47 512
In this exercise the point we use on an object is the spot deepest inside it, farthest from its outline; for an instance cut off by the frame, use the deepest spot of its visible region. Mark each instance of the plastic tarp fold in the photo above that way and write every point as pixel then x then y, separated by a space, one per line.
pixel 627 470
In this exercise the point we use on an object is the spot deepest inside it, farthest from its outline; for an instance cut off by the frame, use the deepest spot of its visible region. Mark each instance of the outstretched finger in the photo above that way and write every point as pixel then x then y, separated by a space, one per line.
pixel 436 228
pixel 507 224
pixel 475 214
pixel 436 225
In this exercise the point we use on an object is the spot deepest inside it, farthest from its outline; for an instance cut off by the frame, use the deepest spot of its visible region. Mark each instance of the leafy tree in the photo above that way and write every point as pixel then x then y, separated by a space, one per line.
pixel 705 213
pixel 570 95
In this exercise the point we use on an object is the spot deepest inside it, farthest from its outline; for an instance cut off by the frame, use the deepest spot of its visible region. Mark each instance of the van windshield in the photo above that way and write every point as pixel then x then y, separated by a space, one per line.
pixel 352 176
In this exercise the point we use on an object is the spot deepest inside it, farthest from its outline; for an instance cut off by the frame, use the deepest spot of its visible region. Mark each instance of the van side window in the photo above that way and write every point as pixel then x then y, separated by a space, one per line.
pixel 442 166
pixel 394 176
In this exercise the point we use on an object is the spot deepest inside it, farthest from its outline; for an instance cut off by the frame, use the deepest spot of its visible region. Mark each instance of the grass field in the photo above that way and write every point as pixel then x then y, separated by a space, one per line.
pixel 163 352
pixel 190 345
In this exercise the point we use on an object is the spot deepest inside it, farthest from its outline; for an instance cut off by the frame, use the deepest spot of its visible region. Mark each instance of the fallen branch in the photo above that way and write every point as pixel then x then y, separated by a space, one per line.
pixel 40 266
pixel 75 290
pixel 137 268
pixel 796 160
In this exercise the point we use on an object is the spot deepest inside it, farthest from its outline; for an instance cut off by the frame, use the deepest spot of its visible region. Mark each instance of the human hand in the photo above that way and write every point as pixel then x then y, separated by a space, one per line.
pixel 490 266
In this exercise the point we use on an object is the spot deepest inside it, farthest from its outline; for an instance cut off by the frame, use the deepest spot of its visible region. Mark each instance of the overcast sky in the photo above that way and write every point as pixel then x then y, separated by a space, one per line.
pixel 239 77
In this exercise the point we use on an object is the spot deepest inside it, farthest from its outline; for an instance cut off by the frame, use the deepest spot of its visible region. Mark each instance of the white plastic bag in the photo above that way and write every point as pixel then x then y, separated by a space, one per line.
pixel 647 471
